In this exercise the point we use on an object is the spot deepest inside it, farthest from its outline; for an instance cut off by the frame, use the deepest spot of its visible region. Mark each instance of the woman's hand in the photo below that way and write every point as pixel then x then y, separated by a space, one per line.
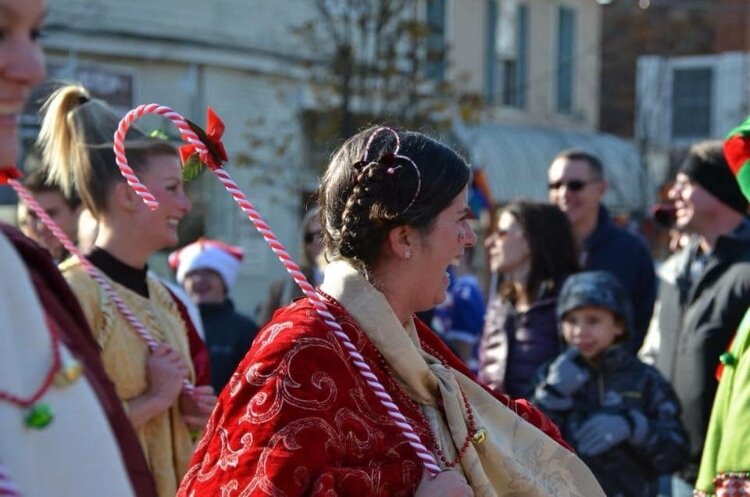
pixel 446 484
pixel 197 408
pixel 165 371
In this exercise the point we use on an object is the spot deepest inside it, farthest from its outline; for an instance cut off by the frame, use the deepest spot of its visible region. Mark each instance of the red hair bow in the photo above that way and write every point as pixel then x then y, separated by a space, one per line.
pixel 8 173
pixel 211 138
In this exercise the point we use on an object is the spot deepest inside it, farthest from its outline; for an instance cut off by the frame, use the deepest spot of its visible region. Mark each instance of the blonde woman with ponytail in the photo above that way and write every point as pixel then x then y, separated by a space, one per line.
pixel 76 140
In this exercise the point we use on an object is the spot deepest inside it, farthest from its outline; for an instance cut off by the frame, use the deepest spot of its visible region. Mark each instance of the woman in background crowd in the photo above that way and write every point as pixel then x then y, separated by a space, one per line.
pixel 284 291
pixel 207 269
pixel 533 250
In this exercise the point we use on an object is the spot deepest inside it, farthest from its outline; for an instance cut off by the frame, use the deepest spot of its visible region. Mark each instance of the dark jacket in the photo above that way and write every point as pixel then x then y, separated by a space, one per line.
pixel 621 383
pixel 697 321
pixel 228 337
pixel 624 254
pixel 515 344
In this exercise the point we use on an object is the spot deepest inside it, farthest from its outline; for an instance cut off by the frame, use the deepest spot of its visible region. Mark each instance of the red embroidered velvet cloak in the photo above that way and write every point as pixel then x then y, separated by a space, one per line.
pixel 298 419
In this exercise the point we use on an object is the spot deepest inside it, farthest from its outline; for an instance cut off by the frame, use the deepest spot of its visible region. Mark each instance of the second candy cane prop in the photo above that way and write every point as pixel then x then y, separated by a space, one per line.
pixel 211 153
pixel 10 176
pixel 7 487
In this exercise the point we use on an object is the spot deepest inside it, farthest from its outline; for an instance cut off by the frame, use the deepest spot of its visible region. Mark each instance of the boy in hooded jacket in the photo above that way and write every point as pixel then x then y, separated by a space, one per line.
pixel 621 415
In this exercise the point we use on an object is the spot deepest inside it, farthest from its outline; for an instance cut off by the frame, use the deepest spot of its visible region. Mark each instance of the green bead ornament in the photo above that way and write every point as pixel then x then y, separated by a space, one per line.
pixel 39 416
pixel 728 359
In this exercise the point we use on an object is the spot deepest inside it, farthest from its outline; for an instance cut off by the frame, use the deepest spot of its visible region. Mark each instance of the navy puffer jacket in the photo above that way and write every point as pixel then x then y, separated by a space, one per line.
pixel 515 344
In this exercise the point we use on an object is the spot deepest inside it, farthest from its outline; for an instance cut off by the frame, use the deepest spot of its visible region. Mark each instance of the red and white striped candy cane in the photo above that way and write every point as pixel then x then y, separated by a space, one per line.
pixel 7 487
pixel 428 459
pixel 92 270
pixel 119 147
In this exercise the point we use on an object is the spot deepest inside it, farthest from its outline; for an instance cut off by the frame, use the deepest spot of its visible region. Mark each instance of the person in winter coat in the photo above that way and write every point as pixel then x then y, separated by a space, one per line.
pixel 284 290
pixel 207 269
pixel 725 463
pixel 704 290
pixel 534 251
pixel 577 185
pixel 620 415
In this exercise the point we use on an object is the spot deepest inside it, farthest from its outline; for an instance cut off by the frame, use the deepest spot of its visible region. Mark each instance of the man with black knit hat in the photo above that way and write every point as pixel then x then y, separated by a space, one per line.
pixel 704 289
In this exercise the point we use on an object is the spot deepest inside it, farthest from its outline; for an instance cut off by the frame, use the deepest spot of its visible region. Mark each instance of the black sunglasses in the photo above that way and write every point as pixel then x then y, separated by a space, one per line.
pixel 311 237
pixel 574 185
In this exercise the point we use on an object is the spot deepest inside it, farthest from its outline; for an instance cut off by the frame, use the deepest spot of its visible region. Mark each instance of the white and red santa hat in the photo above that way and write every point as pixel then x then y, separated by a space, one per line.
pixel 208 254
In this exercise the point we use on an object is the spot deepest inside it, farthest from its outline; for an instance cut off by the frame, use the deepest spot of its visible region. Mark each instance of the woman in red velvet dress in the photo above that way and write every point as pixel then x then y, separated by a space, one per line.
pixel 298 418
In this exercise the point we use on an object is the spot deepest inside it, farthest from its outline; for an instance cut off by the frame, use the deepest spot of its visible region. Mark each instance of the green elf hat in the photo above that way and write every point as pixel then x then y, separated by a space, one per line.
pixel 737 153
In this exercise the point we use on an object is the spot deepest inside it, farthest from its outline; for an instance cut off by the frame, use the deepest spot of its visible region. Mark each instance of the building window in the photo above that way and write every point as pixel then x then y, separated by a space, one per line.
pixel 515 73
pixel 691 103
pixel 491 70
pixel 435 67
pixel 507 53
pixel 566 34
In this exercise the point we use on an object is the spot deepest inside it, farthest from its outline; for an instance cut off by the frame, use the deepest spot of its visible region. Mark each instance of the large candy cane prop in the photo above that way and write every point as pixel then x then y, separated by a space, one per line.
pixel 293 269
pixel 7 487
pixel 92 270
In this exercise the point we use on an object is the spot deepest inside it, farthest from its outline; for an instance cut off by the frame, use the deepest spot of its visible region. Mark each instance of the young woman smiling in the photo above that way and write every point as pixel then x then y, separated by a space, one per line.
pixel 75 137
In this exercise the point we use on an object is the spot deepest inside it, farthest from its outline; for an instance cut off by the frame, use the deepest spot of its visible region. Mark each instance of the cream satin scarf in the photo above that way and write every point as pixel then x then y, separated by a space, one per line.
pixel 515 460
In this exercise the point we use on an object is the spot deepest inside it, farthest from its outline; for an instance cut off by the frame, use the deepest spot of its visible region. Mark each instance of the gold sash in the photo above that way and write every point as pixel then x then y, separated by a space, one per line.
pixel 516 459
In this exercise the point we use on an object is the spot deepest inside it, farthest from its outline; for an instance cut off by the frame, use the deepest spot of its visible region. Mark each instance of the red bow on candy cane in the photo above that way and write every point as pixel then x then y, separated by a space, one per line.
pixel 216 155
pixel 8 173
pixel 737 149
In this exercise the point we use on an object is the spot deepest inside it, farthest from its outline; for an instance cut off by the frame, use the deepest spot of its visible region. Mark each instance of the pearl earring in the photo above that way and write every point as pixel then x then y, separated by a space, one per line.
pixel 407 254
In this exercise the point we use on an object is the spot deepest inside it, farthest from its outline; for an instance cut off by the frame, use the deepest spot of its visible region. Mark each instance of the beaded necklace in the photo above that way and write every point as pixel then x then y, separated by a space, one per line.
pixel 474 435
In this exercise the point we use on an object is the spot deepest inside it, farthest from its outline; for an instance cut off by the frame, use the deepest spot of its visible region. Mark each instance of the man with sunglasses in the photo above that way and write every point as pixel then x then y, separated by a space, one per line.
pixel 577 185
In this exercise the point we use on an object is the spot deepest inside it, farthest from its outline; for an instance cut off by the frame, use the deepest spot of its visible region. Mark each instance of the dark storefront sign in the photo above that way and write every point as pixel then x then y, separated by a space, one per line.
pixel 114 86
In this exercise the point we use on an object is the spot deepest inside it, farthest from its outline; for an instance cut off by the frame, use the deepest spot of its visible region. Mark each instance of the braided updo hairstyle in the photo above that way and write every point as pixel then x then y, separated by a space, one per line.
pixel 366 193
